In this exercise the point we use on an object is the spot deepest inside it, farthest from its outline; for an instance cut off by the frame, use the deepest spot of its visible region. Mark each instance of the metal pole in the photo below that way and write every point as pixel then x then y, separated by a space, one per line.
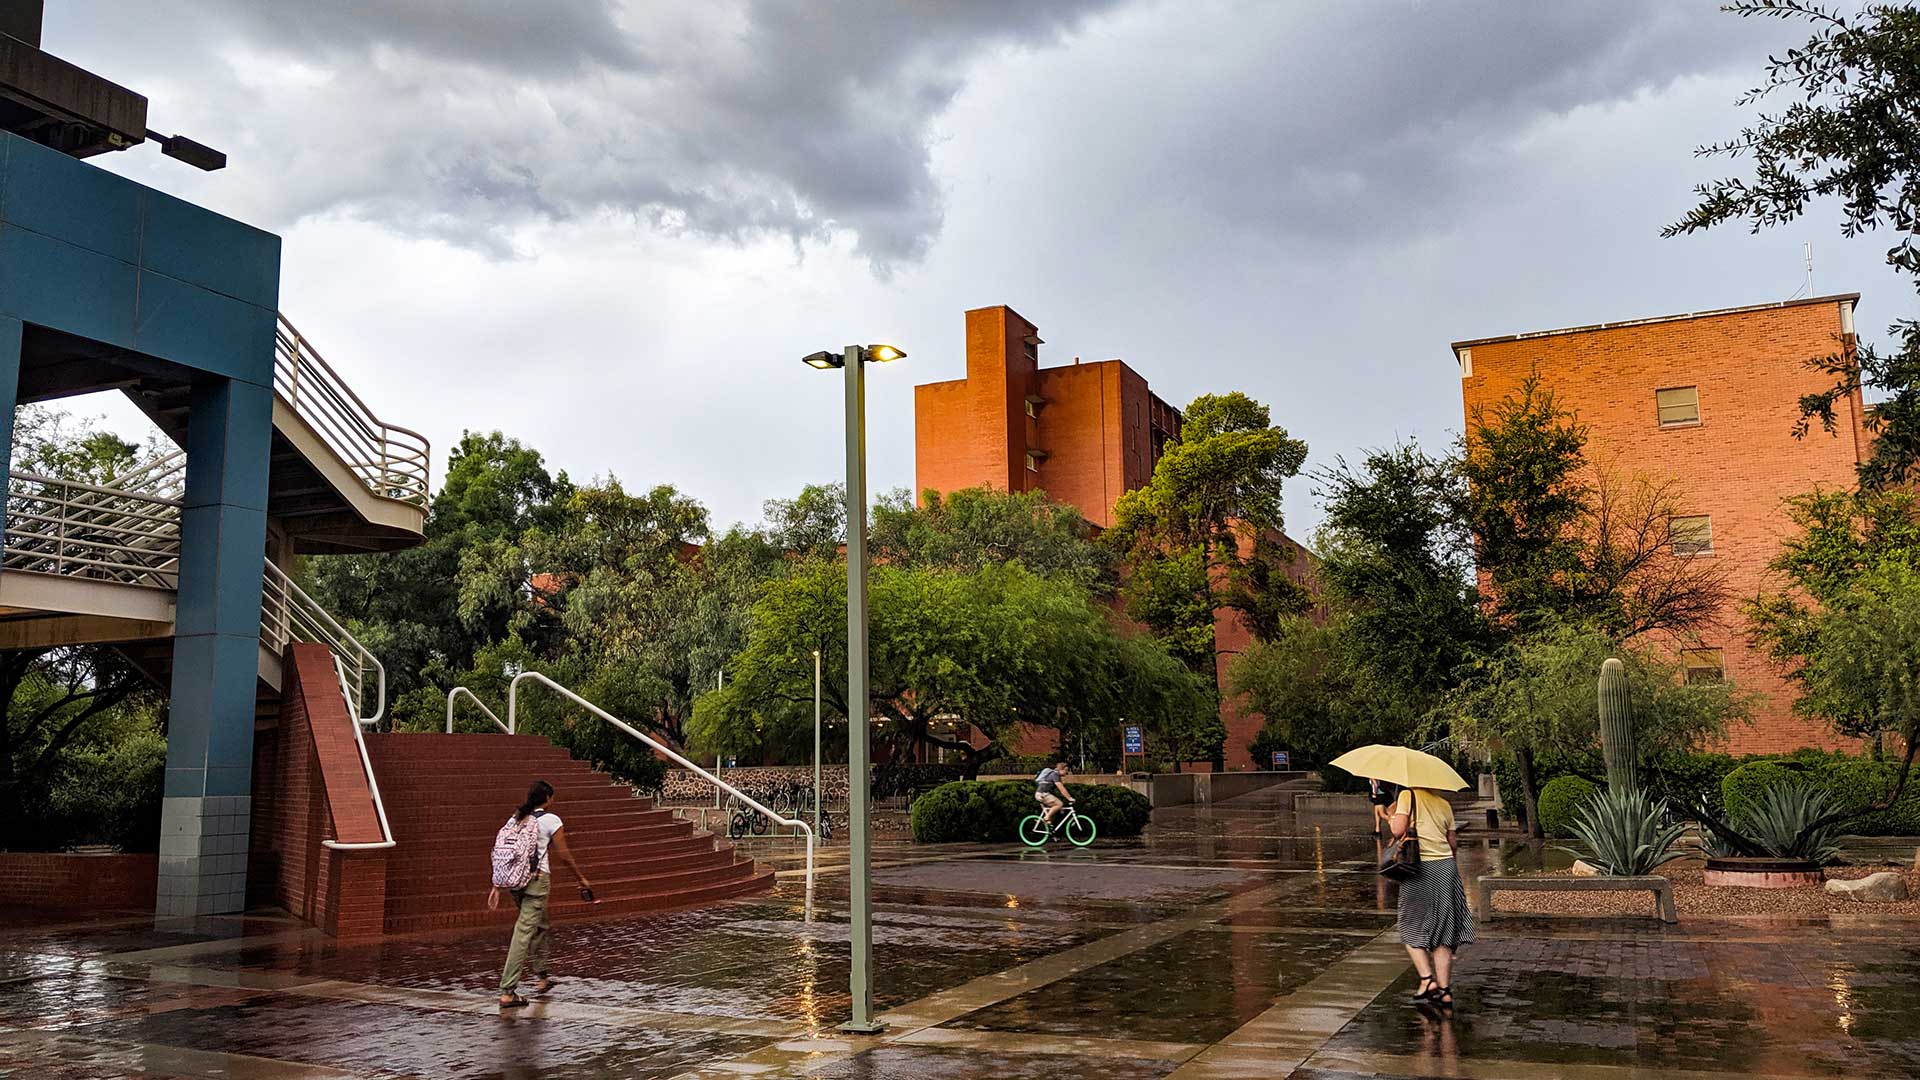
pixel 816 741
pixel 859 708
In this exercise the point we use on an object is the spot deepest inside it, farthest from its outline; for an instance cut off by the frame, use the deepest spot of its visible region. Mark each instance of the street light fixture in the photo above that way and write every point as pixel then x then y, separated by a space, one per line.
pixel 853 360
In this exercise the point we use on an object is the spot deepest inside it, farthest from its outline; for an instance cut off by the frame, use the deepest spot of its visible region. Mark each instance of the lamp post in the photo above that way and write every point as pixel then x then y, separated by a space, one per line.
pixel 816 742
pixel 853 361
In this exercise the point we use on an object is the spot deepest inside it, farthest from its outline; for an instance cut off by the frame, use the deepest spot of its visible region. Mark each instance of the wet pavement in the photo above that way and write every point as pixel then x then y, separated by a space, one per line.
pixel 1232 941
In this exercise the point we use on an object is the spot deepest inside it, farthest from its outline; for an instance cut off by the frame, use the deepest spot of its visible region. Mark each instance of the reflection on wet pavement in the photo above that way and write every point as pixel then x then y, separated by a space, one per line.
pixel 1236 940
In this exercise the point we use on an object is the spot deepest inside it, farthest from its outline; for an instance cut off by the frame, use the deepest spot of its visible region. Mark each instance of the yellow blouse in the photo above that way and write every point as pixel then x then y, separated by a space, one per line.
pixel 1432 823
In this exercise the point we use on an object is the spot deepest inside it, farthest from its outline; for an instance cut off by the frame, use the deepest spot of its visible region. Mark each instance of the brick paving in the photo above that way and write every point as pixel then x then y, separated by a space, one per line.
pixel 1234 942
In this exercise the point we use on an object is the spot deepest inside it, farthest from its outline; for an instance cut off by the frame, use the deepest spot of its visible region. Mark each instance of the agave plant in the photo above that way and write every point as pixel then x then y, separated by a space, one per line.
pixel 1780 823
pixel 1622 832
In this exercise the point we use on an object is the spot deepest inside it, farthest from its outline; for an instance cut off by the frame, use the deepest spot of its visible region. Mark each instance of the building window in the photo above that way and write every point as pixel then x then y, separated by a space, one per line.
pixel 1678 406
pixel 1692 535
pixel 1703 666
pixel 1034 458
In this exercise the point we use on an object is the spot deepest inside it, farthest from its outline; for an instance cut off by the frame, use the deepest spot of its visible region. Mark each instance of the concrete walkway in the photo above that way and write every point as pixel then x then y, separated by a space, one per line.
pixel 1236 941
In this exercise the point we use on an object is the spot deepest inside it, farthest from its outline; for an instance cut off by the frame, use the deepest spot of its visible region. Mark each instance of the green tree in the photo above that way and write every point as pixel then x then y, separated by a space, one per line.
pixel 428 611
pixel 1849 133
pixel 1206 532
pixel 977 527
pixel 996 647
pixel 1845 628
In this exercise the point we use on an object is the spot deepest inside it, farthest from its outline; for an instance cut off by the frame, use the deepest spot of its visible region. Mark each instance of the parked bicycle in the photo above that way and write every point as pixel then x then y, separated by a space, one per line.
pixel 745 819
pixel 1077 828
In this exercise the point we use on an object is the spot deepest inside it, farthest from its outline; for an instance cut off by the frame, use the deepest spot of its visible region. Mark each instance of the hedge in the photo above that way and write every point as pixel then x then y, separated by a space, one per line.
pixel 989 811
pixel 1849 781
pixel 1559 800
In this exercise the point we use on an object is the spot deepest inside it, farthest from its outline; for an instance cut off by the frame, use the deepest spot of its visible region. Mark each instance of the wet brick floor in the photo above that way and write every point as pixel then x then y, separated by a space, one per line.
pixel 1236 909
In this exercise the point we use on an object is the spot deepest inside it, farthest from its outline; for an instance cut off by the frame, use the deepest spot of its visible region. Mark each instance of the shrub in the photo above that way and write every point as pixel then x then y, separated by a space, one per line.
pixel 1852 782
pixel 1779 823
pixel 990 811
pixel 1691 779
pixel 1742 789
pixel 1621 832
pixel 1560 801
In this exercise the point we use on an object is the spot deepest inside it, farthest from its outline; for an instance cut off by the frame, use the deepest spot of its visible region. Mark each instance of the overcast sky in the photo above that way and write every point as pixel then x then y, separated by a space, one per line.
pixel 611 229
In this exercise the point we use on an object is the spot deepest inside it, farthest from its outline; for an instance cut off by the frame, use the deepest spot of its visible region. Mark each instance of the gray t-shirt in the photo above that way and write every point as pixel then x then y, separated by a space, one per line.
pixel 1048 782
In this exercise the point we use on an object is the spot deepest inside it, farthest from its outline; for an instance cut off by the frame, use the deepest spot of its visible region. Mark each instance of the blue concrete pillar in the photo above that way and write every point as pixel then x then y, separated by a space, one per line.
pixel 10 330
pixel 207 806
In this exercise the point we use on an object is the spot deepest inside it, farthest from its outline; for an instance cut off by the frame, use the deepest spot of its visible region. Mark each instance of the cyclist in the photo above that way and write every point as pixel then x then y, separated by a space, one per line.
pixel 1050 791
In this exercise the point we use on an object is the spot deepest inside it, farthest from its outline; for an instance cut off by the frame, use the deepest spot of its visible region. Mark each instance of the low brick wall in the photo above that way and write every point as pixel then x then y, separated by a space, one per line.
pixel 81 883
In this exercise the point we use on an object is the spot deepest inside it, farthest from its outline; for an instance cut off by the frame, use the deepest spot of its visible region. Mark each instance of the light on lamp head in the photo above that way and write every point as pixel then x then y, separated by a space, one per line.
pixel 884 354
pixel 825 361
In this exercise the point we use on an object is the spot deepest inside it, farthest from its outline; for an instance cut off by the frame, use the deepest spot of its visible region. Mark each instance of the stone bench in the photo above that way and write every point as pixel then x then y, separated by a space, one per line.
pixel 1660 887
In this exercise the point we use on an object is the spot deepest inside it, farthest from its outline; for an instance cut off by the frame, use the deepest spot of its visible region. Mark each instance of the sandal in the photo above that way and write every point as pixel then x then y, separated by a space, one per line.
pixel 1442 996
pixel 513 1001
pixel 546 983
pixel 1426 993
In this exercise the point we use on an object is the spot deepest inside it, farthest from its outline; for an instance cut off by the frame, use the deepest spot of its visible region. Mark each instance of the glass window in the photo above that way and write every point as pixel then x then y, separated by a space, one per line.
pixel 1703 666
pixel 1692 535
pixel 1678 405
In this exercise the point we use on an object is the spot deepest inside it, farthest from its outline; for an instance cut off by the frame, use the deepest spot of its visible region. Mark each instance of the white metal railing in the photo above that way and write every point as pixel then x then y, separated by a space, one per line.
pixel 287 613
pixel 389 459
pixel 512 724
pixel 461 690
pixel 88 531
pixel 373 785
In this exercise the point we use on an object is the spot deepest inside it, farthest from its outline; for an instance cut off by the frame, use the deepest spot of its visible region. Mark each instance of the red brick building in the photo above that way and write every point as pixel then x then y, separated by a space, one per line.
pixel 1083 433
pixel 1709 400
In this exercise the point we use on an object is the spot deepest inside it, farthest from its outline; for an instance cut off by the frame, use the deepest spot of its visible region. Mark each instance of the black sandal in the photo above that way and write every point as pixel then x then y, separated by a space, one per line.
pixel 1424 995
pixel 514 1001
pixel 1442 996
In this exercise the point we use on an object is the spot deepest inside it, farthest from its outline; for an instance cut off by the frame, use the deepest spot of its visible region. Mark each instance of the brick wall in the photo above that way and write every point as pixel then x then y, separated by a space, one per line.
pixel 1737 465
pixel 78 883
pixel 310 786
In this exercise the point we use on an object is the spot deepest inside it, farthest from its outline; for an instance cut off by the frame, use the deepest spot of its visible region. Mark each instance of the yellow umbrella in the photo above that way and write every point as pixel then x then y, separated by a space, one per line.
pixel 1400 765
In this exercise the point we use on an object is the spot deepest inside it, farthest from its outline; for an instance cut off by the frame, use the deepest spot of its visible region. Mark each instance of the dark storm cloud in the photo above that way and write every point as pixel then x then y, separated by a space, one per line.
pixel 1370 121
pixel 462 120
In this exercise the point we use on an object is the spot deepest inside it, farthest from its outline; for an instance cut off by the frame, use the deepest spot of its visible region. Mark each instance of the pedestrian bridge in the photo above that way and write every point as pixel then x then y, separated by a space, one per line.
pixel 100 563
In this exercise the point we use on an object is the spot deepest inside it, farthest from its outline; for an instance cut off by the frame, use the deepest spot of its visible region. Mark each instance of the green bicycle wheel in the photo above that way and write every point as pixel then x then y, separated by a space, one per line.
pixel 1033 832
pixel 1080 831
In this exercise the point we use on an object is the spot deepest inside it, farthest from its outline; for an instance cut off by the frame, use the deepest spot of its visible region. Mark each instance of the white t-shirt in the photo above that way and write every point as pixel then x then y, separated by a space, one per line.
pixel 549 824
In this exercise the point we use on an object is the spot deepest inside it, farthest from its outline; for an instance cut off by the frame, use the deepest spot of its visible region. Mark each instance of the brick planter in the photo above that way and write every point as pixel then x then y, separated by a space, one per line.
pixel 1744 873
pixel 79 883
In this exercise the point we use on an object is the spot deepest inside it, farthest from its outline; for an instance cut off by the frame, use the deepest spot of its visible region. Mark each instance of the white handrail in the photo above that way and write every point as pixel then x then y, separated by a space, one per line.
pixel 456 692
pixel 287 613
pixel 373 785
pixel 390 460
pixel 513 707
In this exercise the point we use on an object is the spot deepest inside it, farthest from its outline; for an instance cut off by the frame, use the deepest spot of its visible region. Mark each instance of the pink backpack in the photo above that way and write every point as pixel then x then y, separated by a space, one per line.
pixel 515 848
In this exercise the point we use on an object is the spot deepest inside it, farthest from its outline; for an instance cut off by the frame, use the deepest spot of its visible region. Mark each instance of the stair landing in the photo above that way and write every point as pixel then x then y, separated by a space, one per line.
pixel 447 795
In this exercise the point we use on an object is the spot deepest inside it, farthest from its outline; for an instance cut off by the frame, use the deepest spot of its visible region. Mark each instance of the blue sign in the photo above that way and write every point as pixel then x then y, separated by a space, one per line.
pixel 1130 742
pixel 1281 759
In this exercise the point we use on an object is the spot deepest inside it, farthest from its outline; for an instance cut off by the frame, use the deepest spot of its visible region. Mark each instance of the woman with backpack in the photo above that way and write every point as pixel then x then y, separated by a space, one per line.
pixel 520 866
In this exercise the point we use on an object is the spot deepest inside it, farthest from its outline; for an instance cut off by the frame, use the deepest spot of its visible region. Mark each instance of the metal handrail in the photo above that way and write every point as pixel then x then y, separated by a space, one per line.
pixel 456 692
pixel 392 461
pixel 513 709
pixel 75 529
pixel 287 613
pixel 373 785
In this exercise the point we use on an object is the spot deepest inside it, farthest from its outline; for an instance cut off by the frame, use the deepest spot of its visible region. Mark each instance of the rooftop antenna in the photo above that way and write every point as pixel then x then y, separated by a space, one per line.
pixel 1807 286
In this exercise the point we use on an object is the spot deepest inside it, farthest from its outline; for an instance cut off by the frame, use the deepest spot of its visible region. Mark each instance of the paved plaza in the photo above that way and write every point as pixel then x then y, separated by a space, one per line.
pixel 1236 941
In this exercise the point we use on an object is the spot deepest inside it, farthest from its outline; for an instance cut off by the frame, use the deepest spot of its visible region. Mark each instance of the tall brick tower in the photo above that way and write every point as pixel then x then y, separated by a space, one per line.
pixel 1083 433
pixel 1708 399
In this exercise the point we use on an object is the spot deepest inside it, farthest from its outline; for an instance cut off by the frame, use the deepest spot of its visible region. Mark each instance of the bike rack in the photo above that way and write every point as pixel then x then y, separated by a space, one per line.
pixel 513 709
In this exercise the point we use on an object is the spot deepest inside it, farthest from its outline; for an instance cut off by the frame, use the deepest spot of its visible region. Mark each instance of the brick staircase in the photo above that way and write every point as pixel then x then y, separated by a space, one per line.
pixel 447 795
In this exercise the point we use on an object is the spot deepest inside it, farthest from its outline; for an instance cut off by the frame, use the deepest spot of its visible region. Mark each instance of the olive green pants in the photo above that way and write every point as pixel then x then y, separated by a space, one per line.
pixel 529 948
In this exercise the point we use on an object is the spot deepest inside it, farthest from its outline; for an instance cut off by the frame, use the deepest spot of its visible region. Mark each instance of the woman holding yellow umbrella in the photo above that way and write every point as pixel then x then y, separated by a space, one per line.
pixel 1434 919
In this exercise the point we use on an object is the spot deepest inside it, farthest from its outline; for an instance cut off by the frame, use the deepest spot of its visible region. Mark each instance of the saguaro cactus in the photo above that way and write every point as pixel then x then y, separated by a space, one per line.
pixel 1616 726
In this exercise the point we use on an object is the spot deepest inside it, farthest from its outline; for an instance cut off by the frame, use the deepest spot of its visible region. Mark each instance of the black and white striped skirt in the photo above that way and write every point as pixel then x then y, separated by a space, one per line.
pixel 1433 907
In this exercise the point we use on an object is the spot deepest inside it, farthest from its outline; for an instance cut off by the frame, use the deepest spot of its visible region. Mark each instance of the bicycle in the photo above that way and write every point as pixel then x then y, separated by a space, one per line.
pixel 745 819
pixel 1079 830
